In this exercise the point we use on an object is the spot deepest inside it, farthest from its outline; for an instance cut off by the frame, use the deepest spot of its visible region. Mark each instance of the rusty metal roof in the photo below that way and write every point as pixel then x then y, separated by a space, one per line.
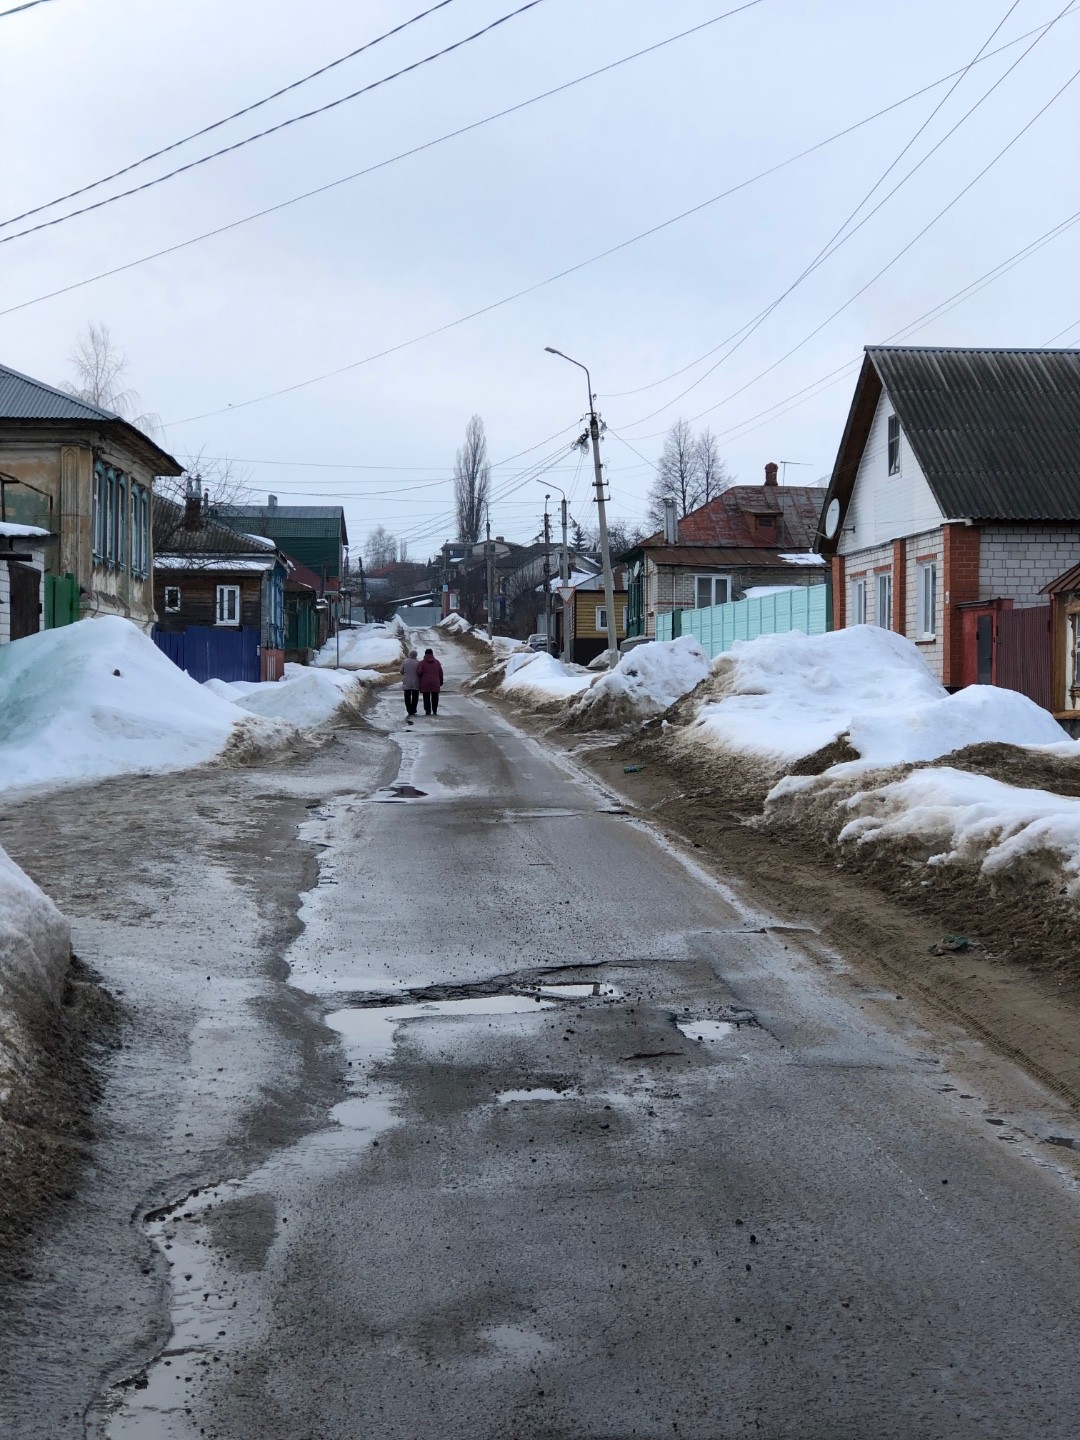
pixel 715 557
pixel 996 432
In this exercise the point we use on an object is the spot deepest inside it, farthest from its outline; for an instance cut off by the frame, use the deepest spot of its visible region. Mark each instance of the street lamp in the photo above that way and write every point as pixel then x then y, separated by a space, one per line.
pixel 605 550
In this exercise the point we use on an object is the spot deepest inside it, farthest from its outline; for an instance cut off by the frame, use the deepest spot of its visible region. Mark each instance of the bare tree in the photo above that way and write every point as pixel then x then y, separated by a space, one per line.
pixel 100 368
pixel 678 474
pixel 713 474
pixel 380 549
pixel 472 482
pixel 403 552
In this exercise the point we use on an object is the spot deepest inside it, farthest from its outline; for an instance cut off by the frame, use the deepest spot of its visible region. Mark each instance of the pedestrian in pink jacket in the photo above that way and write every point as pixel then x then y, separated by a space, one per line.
pixel 431 682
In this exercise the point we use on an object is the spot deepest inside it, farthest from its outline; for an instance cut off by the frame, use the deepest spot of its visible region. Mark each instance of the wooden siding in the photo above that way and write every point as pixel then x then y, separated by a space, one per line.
pixel 198 598
pixel 886 507
pixel 586 604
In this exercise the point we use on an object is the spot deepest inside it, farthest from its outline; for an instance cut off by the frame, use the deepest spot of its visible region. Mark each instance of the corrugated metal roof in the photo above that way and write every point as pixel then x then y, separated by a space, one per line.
pixel 996 432
pixel 209 538
pixel 277 521
pixel 22 398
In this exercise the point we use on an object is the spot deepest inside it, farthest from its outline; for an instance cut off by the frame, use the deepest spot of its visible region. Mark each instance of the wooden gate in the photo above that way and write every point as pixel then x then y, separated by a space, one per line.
pixel 1025 648
pixel 25 600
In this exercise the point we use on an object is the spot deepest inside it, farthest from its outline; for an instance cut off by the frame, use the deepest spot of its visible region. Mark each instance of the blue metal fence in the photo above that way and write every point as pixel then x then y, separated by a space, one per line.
pixel 207 653
pixel 719 626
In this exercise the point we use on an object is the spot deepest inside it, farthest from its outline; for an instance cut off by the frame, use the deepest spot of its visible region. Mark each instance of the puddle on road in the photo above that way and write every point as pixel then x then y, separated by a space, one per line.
pixel 512 1097
pixel 590 990
pixel 706 1029
pixel 400 791
pixel 372 1027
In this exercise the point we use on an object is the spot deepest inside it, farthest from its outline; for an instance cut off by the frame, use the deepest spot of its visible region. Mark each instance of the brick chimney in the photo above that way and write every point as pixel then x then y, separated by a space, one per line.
pixel 771 470
pixel 193 504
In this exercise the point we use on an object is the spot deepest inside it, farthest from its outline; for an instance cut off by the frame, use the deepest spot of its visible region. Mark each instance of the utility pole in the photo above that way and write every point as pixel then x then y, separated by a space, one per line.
pixel 605 549
pixel 564 577
pixel 489 558
pixel 547 575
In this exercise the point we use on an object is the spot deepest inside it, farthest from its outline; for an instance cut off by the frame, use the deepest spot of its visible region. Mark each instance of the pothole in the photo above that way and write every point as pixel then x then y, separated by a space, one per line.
pixel 706 1030
pixel 515 1097
pixel 572 990
pixel 400 791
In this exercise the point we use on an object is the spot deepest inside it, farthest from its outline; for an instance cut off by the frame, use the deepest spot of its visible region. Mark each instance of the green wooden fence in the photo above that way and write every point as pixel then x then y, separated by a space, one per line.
pixel 61 601
pixel 719 626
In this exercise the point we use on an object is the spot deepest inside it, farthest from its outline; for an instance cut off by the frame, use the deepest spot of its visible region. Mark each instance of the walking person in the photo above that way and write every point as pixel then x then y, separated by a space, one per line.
pixel 410 680
pixel 431 682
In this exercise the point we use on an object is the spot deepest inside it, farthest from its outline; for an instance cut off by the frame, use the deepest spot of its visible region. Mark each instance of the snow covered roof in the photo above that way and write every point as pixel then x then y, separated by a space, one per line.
pixel 10 530
pixel 230 564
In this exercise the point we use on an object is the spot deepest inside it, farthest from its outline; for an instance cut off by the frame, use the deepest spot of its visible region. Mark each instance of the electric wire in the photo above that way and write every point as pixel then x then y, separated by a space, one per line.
pixel 27 5
pixel 551 279
pixel 273 129
pixel 418 149
pixel 835 242
pixel 217 124
pixel 874 278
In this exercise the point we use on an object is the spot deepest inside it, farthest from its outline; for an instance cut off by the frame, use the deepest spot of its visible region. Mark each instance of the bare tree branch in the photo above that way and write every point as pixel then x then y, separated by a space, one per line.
pixel 100 368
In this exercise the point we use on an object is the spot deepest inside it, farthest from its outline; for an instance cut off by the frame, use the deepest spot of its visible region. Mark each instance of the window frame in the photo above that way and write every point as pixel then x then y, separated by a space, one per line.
pixel 883 589
pixel 224 623
pixel 926 606
pixel 712 580
pixel 601 619
pixel 172 609
pixel 858 601
pixel 892 444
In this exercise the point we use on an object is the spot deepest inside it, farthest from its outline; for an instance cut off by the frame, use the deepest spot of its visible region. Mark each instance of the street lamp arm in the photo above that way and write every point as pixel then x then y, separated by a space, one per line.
pixel 552 351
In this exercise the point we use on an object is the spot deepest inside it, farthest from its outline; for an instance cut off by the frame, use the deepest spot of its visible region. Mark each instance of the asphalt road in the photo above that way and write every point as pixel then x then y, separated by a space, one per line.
pixel 473 1206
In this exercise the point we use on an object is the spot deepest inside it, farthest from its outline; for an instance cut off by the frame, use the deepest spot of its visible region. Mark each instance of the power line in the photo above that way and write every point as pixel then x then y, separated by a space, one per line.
pixel 884 269
pixel 273 129
pixel 217 124
pixel 834 243
pixel 28 5
pixel 407 154
pixel 560 275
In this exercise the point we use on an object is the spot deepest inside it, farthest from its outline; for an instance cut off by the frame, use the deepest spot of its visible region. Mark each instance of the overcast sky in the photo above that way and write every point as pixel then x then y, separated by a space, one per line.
pixel 89 86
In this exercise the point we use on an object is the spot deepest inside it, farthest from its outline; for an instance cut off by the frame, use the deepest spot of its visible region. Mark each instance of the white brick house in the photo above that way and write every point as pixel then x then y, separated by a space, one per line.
pixel 954 501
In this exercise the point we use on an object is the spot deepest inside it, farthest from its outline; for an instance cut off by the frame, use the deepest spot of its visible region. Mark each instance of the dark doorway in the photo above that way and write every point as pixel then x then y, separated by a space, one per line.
pixel 25 601
pixel 984 650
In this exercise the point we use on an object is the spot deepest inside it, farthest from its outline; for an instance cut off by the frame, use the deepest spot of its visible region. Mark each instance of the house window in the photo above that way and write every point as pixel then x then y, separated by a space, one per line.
pixel 110 516
pixel 711 590
pixel 601 617
pixel 172 599
pixel 99 510
pixel 140 530
pixel 228 605
pixel 884 601
pixel 926 618
pixel 624 619
pixel 894 445
pixel 121 556
pixel 858 602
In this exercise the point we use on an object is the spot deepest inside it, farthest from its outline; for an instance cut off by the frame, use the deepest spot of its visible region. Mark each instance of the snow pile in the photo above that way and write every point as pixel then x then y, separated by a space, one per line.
pixel 98 698
pixel 973 819
pixel 782 697
pixel 646 681
pixel 540 679
pixel 367 647
pixel 305 697
pixel 454 624
pixel 35 946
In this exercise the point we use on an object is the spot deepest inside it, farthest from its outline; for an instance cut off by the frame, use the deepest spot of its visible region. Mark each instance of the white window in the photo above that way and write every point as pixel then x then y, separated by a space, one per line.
pixel 884 601
pixel 624 619
pixel 172 599
pixel 711 590
pixel 858 602
pixel 228 605
pixel 601 617
pixel 926 618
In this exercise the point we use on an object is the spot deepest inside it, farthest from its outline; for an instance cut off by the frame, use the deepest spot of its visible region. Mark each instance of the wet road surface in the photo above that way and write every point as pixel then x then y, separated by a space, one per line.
pixel 586 1147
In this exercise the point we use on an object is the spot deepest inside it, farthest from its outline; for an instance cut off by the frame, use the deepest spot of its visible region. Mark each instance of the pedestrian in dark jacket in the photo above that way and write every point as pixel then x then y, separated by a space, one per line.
pixel 431 681
pixel 410 680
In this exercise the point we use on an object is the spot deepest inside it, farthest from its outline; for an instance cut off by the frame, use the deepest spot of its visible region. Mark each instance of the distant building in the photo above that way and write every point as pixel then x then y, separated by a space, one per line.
pixel 314 535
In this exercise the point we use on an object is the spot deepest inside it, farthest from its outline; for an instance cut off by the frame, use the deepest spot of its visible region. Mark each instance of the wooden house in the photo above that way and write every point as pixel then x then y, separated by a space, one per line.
pixel 85 477
pixel 586 614
pixel 313 535
pixel 220 596
pixel 954 504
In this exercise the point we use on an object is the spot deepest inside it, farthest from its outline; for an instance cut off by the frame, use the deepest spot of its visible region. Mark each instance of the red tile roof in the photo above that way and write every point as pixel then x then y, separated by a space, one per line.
pixel 729 518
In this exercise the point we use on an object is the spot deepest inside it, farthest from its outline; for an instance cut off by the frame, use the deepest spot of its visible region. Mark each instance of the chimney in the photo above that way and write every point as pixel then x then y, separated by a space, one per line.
pixel 193 518
pixel 671 523
pixel 771 470
pixel 271 500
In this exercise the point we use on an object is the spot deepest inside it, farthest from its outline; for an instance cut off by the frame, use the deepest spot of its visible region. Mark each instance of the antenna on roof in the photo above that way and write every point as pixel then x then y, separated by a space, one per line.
pixel 785 463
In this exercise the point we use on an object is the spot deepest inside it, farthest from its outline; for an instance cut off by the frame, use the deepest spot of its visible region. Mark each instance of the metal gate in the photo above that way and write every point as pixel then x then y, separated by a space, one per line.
pixel 207 653
pixel 1024 659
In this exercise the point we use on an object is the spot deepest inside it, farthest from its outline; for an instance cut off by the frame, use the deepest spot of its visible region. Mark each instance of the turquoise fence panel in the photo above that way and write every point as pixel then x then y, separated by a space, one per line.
pixel 719 626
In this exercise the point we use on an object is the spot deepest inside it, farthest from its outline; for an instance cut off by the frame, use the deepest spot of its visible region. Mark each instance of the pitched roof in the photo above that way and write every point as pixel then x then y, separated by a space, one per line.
pixel 279 521
pixel 728 518
pixel 995 432
pixel 208 538
pixel 24 400
pixel 720 557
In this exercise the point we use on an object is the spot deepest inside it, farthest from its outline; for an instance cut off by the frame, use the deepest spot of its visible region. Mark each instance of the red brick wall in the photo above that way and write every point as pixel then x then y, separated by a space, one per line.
pixel 961 585
pixel 899 586
pixel 838 571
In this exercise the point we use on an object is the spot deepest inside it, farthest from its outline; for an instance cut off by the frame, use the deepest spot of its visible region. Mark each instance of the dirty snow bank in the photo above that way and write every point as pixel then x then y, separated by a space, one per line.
pixel 305 697
pixel 783 697
pixel 98 698
pixel 647 680
pixel 541 679
pixel 35 947
pixel 367 647
pixel 455 624
pixel 964 818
